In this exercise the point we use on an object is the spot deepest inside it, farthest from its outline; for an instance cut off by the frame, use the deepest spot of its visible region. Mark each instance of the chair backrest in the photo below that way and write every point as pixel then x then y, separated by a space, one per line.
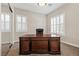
pixel 39 31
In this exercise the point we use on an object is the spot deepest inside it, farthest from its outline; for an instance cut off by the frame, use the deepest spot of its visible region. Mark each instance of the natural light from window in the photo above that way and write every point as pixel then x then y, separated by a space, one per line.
pixel 21 24
pixel 57 24
pixel 5 22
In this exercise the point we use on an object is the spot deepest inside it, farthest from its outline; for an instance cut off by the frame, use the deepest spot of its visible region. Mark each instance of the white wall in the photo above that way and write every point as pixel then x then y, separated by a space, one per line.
pixel 6 36
pixel 0 29
pixel 34 20
pixel 71 22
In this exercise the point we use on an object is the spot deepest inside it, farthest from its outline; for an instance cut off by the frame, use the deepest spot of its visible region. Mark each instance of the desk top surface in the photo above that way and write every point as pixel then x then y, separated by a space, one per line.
pixel 44 35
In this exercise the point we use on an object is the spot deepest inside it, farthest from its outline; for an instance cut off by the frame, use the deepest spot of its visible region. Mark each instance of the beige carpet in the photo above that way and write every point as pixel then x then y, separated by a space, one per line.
pixel 66 50
pixel 5 49
pixel 14 51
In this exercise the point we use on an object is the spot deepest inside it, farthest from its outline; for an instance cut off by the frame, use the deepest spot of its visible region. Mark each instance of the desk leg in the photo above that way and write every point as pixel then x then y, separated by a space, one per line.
pixel 30 44
pixel 20 46
pixel 49 45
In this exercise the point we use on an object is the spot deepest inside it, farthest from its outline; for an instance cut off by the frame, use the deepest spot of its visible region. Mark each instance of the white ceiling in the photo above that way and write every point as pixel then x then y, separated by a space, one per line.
pixel 35 8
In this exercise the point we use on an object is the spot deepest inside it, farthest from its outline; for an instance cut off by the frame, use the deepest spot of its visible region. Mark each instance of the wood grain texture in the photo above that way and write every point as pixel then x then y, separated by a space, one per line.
pixel 39 44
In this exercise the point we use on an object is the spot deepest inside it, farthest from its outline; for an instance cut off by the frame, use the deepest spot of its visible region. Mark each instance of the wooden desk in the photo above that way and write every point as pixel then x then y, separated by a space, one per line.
pixel 32 43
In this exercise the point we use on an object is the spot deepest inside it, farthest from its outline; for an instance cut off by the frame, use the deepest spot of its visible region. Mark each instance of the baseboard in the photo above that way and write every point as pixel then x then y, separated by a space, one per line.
pixel 74 45
pixel 16 41
pixel 4 42
pixel 7 42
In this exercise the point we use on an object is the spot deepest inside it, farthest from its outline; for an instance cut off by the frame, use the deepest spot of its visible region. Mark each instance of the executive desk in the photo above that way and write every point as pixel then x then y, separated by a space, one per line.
pixel 31 43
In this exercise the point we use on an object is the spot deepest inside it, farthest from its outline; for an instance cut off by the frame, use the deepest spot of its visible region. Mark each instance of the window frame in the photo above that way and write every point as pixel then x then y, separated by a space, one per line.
pixel 60 24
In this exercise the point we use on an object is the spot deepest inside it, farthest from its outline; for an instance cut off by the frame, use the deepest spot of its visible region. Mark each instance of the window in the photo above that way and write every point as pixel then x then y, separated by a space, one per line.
pixel 5 22
pixel 21 24
pixel 57 23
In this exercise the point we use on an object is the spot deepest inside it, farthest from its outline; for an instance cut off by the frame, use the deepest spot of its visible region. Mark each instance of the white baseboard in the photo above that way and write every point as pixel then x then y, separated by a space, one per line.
pixel 5 42
pixel 70 44
pixel 8 42
pixel 16 41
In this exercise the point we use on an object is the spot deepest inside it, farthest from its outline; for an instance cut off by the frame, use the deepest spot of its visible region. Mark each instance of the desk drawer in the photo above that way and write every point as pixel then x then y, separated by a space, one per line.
pixel 24 46
pixel 55 45
pixel 39 46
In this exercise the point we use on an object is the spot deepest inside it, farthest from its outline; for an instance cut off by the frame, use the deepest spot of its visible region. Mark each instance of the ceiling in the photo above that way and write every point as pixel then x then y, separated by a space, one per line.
pixel 38 9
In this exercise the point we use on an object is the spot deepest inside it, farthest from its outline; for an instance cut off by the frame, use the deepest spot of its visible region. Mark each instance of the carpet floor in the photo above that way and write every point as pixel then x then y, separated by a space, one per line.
pixel 5 49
